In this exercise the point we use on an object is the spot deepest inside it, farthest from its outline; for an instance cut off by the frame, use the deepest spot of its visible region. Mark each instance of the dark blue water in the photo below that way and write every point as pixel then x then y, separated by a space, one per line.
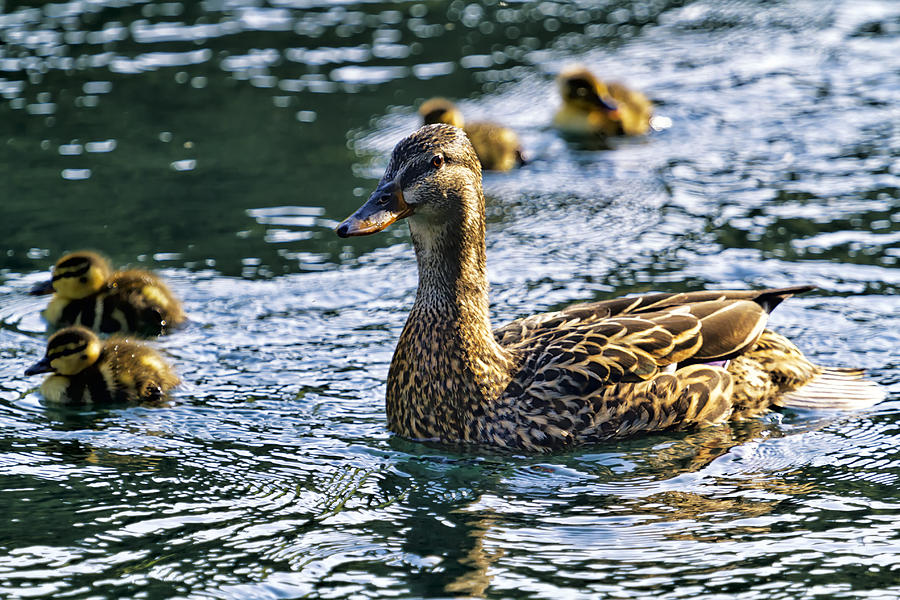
pixel 219 142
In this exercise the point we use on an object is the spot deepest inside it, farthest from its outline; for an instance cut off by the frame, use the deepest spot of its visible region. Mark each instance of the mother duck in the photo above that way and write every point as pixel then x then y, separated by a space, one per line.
pixel 590 372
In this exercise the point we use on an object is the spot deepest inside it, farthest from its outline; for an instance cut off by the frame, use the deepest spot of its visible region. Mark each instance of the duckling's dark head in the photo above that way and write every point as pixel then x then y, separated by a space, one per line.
pixel 434 177
pixel 440 110
pixel 76 275
pixel 581 89
pixel 69 352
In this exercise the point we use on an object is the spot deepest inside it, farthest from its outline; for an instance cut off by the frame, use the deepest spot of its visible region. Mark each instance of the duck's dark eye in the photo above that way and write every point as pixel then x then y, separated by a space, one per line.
pixel 84 357
pixel 437 160
pixel 82 279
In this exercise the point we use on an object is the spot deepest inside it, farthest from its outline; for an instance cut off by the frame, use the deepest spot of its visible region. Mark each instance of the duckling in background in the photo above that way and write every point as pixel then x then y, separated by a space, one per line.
pixel 86 370
pixel 591 107
pixel 497 147
pixel 590 372
pixel 87 292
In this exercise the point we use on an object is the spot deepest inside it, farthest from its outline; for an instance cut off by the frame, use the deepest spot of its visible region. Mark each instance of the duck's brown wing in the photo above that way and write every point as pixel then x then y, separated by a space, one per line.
pixel 585 378
pixel 591 312
pixel 610 379
pixel 585 354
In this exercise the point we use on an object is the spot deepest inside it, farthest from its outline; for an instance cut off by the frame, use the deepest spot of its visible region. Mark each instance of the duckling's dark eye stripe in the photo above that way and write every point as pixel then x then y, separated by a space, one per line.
pixel 67 338
pixel 67 350
pixel 72 271
pixel 75 261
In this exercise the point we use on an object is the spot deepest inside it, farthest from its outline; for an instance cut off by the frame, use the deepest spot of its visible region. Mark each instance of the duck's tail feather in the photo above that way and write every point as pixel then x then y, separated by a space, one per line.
pixel 834 389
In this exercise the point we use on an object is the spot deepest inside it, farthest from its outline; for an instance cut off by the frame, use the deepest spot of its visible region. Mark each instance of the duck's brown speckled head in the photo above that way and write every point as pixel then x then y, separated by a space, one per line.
pixel 428 176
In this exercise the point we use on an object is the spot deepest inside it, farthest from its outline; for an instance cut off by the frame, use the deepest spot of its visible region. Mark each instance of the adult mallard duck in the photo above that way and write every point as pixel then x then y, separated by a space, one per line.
pixel 87 371
pixel 87 292
pixel 591 107
pixel 587 373
pixel 497 147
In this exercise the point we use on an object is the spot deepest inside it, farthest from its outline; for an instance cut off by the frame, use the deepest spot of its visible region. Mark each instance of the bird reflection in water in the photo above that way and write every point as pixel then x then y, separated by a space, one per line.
pixel 473 545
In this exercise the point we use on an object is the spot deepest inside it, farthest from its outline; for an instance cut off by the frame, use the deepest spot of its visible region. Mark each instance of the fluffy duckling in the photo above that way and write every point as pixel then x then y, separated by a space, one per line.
pixel 86 370
pixel 591 107
pixel 87 292
pixel 590 372
pixel 497 147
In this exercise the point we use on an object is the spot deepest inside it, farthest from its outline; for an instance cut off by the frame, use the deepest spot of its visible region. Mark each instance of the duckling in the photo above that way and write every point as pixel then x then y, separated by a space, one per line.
pixel 591 107
pixel 87 292
pixel 86 370
pixel 497 147
pixel 590 372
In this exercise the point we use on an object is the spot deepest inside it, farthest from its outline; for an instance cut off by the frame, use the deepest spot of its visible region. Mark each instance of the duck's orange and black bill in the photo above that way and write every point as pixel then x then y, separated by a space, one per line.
pixel 42 289
pixel 384 206
pixel 42 366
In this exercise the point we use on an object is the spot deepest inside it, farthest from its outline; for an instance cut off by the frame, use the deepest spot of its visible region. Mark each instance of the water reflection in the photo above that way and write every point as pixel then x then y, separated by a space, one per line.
pixel 73 70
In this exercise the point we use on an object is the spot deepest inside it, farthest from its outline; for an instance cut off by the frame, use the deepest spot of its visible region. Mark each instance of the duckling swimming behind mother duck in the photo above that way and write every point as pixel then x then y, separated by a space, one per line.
pixel 86 291
pixel 592 107
pixel 497 147
pixel 85 370
pixel 588 373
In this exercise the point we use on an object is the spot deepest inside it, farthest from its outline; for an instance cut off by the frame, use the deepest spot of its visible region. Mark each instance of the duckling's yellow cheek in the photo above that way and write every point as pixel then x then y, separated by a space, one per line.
pixel 54 389
pixel 72 287
pixel 73 364
pixel 155 295
pixel 96 278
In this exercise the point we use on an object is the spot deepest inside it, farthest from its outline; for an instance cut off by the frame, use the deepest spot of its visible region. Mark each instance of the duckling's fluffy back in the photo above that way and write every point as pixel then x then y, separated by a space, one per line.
pixel 497 147
pixel 635 109
pixel 136 372
pixel 147 293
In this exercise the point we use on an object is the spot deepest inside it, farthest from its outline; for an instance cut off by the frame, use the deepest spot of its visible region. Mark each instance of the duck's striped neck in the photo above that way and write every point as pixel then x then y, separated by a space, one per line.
pixel 447 366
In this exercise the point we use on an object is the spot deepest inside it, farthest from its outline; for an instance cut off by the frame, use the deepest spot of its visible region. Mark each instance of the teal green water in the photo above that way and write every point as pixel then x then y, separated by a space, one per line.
pixel 219 142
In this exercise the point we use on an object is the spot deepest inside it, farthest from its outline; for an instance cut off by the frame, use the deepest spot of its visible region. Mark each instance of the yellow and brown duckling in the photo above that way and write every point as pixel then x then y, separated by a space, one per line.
pixel 87 292
pixel 591 107
pixel 497 147
pixel 86 370
pixel 590 372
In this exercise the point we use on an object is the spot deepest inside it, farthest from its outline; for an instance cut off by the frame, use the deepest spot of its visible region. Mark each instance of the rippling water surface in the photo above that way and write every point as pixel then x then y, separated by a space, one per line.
pixel 220 141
